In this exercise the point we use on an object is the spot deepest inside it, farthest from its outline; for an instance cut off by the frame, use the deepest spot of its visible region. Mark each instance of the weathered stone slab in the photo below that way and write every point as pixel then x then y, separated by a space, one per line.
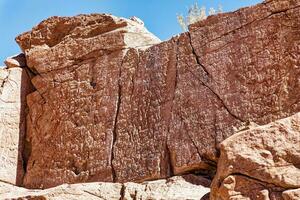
pixel 113 105
pixel 73 113
pixel 174 188
pixel 265 158
pixel 14 86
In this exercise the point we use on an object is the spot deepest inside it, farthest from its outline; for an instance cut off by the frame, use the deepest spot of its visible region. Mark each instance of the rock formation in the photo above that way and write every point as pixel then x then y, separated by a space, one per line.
pixel 266 157
pixel 112 103
pixel 16 61
pixel 184 187
pixel 14 86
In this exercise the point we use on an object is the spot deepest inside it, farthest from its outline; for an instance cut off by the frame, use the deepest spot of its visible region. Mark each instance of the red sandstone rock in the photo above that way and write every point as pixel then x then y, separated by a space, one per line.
pixel 262 160
pixel 73 113
pixel 251 57
pixel 108 108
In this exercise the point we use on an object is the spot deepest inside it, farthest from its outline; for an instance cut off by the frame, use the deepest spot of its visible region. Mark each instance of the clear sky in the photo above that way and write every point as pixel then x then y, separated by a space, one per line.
pixel 17 16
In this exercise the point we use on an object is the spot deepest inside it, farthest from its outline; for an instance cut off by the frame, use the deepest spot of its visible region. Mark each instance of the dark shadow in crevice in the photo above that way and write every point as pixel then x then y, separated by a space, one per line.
pixel 23 151
pixel 205 197
pixel 200 180
pixel 197 179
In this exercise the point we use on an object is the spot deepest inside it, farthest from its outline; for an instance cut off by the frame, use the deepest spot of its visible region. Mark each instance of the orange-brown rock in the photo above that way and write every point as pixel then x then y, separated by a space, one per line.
pixel 71 125
pixel 113 105
pixel 261 161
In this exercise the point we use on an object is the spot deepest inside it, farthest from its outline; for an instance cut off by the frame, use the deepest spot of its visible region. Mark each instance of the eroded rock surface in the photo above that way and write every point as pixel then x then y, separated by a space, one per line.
pixel 113 105
pixel 16 61
pixel 185 187
pixel 73 112
pixel 14 86
pixel 291 194
pixel 262 161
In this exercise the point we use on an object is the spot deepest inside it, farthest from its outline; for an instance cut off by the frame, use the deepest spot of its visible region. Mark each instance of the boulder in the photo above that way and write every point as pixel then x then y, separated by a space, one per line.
pixel 16 61
pixel 260 161
pixel 291 194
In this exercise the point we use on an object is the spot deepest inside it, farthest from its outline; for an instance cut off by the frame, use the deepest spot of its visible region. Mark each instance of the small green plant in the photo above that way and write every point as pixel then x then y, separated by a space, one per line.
pixel 195 13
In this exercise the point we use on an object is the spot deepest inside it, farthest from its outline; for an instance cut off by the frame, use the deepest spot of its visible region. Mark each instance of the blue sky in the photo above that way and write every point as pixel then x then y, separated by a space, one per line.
pixel 17 16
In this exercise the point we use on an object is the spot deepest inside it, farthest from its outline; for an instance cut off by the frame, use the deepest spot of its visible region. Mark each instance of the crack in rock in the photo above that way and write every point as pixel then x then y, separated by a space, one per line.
pixel 5 80
pixel 114 135
pixel 206 85
pixel 122 192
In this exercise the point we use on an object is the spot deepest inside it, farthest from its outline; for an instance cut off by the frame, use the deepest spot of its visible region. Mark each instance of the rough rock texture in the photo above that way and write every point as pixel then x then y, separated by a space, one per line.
pixel 72 115
pixel 16 61
pixel 14 86
pixel 185 187
pixel 251 63
pixel 107 108
pixel 291 194
pixel 262 161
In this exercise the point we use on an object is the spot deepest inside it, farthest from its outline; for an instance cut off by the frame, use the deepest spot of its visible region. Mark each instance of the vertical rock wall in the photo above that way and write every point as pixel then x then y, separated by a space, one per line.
pixel 14 86
pixel 113 103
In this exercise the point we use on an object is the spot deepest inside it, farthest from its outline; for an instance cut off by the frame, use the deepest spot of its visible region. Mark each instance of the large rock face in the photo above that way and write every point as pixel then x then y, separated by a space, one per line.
pixel 14 86
pixel 73 112
pixel 251 59
pixel 113 105
pixel 262 161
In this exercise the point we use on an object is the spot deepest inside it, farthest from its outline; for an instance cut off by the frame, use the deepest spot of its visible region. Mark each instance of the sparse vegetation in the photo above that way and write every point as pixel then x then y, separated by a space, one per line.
pixel 196 13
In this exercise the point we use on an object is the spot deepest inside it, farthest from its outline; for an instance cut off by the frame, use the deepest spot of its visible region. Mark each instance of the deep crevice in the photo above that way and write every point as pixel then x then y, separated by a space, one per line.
pixel 211 171
pixel 32 71
pixel 5 80
pixel 206 85
pixel 167 149
pixel 134 196
pixel 27 148
pixel 114 133
pixel 261 182
pixel 122 192
pixel 197 58
pixel 169 160
pixel 176 70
